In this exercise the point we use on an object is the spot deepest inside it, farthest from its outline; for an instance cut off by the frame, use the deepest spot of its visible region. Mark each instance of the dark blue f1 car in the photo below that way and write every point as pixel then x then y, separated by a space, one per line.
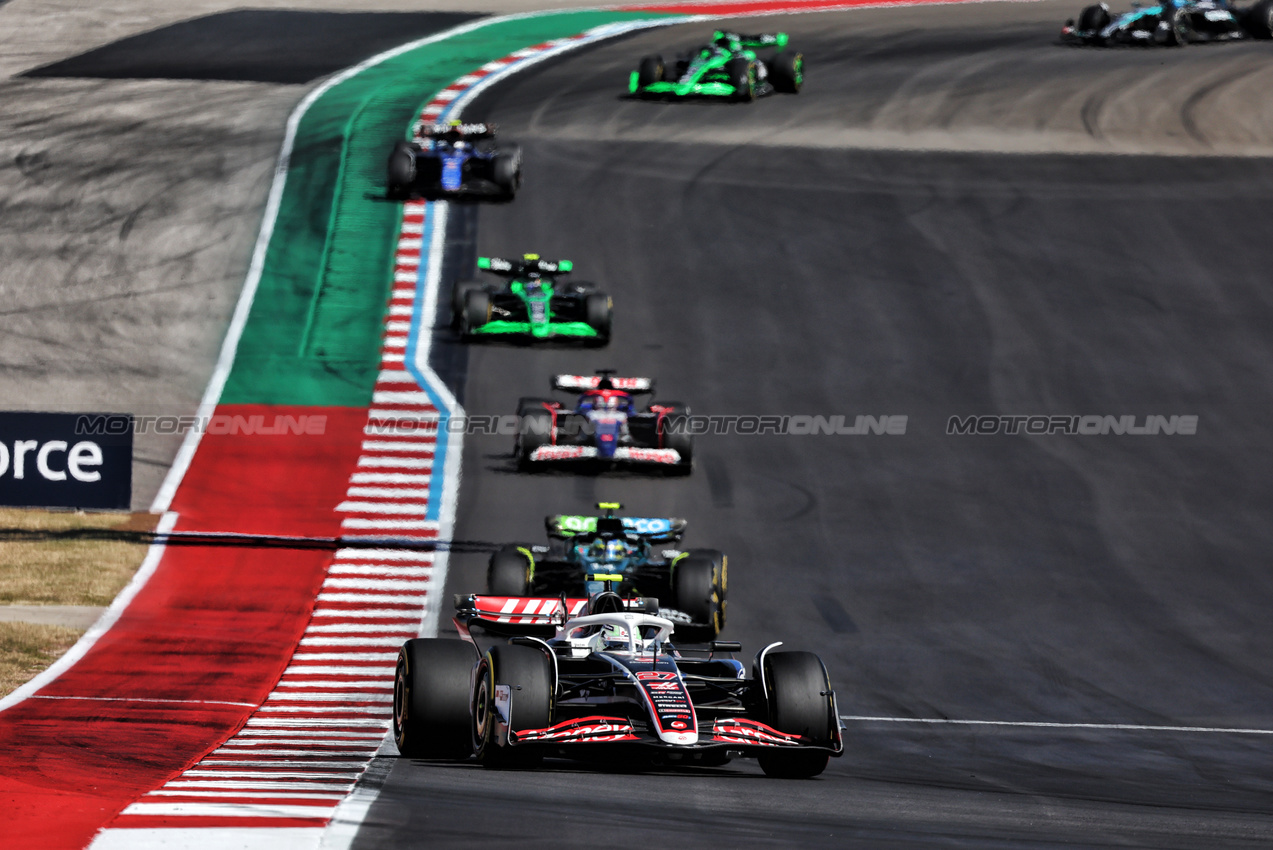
pixel 1172 23
pixel 455 159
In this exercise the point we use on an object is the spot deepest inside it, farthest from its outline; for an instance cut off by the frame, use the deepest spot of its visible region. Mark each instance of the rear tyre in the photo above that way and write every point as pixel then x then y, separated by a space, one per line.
pixel 798 691
pixel 528 673
pixel 598 310
pixel 1178 30
pixel 402 171
pixel 534 429
pixel 699 582
pixel 786 72
pixel 742 75
pixel 1259 19
pixel 506 172
pixel 477 310
pixel 680 439
pixel 509 572
pixel 431 698
pixel 1093 18
pixel 649 71
pixel 458 294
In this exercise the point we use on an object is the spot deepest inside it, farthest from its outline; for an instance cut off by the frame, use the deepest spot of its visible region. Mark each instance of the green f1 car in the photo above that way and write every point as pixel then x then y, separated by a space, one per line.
pixel 727 68
pixel 532 303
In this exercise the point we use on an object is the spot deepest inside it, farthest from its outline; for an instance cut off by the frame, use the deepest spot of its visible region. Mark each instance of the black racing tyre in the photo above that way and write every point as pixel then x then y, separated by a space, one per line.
pixel 534 429
pixel 402 172
pixel 458 293
pixel 1093 18
pixel 529 673
pixel 509 571
pixel 477 310
pixel 431 698
pixel 786 72
pixel 531 404
pixel 742 75
pixel 1178 30
pixel 649 71
pixel 699 584
pixel 506 172
pixel 676 435
pixel 799 695
pixel 598 311
pixel 1259 19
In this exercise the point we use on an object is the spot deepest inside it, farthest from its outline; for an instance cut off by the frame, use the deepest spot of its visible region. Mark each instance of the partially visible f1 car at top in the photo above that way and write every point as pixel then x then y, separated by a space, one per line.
pixel 601 678
pixel 605 426
pixel 641 554
pixel 455 159
pixel 531 303
pixel 1171 23
pixel 729 67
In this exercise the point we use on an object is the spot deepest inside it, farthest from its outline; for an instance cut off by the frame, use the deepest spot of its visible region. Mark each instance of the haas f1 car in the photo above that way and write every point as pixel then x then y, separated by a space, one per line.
pixel 454 160
pixel 605 426
pixel 729 68
pixel 1171 23
pixel 532 303
pixel 643 555
pixel 600 678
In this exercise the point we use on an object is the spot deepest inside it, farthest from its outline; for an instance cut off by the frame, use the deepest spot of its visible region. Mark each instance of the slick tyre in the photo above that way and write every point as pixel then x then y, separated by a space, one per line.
pixel 458 294
pixel 431 698
pixel 528 673
pixel 509 572
pixel 598 310
pixel 506 172
pixel 742 76
pixel 1093 18
pixel 402 170
pixel 798 692
pixel 649 71
pixel 1259 19
pixel 534 429
pixel 786 72
pixel 699 582
pixel 477 310
pixel 676 435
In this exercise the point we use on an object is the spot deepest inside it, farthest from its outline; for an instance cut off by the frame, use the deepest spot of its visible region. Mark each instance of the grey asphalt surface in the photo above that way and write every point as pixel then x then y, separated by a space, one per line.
pixel 1048 579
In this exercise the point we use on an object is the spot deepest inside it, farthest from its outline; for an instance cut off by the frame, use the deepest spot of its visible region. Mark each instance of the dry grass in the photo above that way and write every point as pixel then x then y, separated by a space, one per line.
pixel 65 571
pixel 26 649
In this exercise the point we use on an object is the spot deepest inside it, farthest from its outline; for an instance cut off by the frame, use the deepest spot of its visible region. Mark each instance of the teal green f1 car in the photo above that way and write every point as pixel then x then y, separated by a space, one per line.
pixel 532 303
pixel 728 68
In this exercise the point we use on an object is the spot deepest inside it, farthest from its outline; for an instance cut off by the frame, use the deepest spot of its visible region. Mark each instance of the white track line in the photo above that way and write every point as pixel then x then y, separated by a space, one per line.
pixel 1043 724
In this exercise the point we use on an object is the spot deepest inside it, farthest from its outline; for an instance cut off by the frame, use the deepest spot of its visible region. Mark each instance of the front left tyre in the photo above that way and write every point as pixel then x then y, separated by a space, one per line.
pixel 599 314
pixel 798 693
pixel 431 698
pixel 506 172
pixel 786 72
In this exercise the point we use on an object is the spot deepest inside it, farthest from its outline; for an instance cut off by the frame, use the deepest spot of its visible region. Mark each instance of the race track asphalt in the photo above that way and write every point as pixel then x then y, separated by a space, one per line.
pixel 1039 579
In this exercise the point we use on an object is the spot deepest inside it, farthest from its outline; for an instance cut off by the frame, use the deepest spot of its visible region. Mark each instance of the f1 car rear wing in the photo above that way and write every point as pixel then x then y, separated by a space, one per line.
pixel 654 529
pixel 582 383
pixel 523 615
pixel 457 131
pixel 530 264
pixel 768 39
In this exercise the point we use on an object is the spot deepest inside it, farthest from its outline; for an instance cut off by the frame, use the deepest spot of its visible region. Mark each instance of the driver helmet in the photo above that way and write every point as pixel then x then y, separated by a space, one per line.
pixel 616 550
pixel 597 549
pixel 614 636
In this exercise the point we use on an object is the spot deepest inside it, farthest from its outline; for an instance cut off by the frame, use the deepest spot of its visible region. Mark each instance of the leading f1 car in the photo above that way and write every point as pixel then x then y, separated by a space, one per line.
pixel 729 68
pixel 1171 23
pixel 601 679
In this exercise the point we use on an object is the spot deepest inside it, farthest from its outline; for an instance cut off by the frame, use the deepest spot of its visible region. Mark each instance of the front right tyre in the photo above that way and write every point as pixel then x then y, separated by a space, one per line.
pixel 798 692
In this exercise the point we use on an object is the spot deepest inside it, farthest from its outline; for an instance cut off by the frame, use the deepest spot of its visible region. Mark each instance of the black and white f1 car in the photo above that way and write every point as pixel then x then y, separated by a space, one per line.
pixel 1171 23
pixel 601 678
pixel 454 159
pixel 604 427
